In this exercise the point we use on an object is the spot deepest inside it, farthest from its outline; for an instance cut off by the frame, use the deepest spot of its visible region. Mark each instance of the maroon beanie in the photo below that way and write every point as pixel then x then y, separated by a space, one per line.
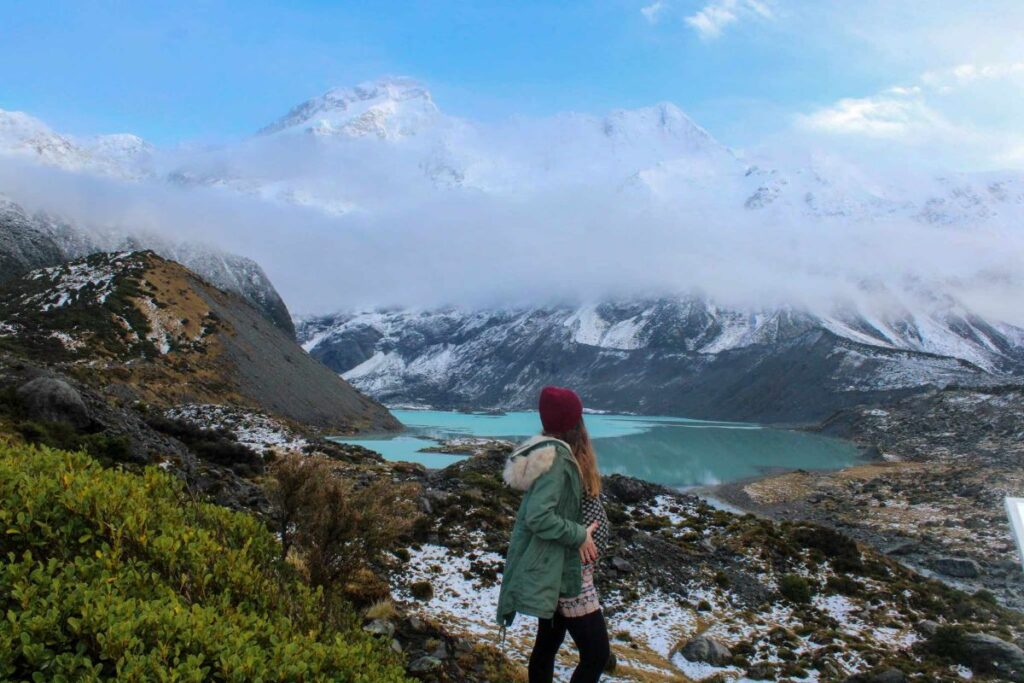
pixel 560 409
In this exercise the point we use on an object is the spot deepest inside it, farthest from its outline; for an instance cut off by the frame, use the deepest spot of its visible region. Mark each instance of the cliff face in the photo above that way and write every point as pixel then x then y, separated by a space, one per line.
pixel 167 337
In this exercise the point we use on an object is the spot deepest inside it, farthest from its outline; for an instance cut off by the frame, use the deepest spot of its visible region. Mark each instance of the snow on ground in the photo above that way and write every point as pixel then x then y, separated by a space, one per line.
pixel 699 670
pixel 466 604
pixel 252 429
pixel 67 341
pixel 656 619
pixel 677 512
pixel 70 281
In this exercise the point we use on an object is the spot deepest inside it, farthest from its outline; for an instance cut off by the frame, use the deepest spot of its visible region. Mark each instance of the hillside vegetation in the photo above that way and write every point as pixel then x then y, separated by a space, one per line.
pixel 165 336
pixel 110 575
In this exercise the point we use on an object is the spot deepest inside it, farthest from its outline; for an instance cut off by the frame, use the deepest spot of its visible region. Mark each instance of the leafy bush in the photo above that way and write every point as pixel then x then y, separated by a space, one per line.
pixel 795 588
pixel 840 549
pixel 109 575
pixel 103 446
pixel 339 527
pixel 844 585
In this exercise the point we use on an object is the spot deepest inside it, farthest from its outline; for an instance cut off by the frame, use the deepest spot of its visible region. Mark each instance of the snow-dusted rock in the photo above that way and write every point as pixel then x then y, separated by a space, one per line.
pixel 708 650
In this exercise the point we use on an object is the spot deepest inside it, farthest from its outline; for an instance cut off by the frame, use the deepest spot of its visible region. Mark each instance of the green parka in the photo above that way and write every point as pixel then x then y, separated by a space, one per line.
pixel 543 560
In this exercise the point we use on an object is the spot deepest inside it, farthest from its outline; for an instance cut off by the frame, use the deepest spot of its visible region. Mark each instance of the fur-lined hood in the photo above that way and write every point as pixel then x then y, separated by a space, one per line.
pixel 530 460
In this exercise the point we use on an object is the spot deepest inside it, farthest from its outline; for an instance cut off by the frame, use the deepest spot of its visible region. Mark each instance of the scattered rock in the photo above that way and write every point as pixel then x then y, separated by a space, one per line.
pixel 626 489
pixel 53 400
pixel 903 548
pixel 959 567
pixel 708 650
pixel 927 628
pixel 424 664
pixel 762 671
pixel 620 564
pixel 380 627
pixel 879 676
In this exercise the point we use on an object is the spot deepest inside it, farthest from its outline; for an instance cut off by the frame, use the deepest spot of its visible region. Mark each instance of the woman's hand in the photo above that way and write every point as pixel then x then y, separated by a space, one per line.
pixel 588 551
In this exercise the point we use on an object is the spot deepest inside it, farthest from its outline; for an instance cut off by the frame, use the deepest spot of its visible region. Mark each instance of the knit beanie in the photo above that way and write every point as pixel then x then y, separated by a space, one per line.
pixel 560 409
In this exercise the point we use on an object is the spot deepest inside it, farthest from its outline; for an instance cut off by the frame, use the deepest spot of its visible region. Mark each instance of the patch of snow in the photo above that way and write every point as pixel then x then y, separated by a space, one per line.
pixel 253 430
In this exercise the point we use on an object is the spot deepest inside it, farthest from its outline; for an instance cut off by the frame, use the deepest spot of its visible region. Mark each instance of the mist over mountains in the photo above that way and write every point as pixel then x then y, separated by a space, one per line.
pixel 372 195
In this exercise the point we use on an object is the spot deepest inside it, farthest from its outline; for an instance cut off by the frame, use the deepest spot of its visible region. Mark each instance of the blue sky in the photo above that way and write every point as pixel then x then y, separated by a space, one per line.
pixel 745 69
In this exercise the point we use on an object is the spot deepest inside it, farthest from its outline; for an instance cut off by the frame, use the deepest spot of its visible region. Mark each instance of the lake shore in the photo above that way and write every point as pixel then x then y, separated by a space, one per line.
pixel 932 499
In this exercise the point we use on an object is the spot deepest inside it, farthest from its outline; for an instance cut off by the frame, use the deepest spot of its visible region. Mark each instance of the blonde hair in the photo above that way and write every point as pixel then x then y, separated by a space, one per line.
pixel 586 459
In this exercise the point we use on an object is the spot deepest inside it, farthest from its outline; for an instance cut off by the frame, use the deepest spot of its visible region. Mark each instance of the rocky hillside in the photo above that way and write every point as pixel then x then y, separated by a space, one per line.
pixel 166 337
pixel 934 497
pixel 35 241
pixel 693 593
pixel 680 356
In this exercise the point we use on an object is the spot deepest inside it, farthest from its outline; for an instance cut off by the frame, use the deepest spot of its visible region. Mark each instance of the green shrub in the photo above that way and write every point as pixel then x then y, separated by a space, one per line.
pixel 844 585
pixel 106 447
pixel 795 588
pixel 421 590
pixel 114 576
pixel 840 549
pixel 214 445
pixel 337 526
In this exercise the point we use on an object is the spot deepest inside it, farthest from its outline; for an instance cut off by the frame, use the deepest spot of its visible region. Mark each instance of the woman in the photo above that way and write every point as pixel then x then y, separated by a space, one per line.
pixel 549 571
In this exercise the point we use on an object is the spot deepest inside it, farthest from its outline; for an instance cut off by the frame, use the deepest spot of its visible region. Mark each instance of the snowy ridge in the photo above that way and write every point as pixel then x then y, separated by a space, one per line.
pixel 643 354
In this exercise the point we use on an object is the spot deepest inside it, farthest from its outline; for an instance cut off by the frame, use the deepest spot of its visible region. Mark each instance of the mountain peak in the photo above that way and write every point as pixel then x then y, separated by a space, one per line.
pixel 664 120
pixel 389 108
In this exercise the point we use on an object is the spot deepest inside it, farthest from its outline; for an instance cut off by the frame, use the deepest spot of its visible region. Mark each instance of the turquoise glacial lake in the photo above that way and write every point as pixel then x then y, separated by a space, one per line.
pixel 666 450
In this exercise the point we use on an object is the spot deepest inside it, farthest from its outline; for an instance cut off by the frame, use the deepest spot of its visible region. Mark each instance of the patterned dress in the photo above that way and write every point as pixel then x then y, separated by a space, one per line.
pixel 587 601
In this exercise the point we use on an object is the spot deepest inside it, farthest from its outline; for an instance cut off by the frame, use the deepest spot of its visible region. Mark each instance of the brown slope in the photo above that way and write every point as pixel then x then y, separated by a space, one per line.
pixel 163 335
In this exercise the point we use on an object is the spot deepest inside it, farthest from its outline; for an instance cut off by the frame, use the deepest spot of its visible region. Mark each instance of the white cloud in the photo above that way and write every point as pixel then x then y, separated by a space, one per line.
pixel 652 12
pixel 945 80
pixel 966 116
pixel 898 113
pixel 712 19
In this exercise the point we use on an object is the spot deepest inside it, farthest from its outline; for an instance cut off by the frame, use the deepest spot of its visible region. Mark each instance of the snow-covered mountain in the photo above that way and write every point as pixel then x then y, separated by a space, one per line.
pixel 355 153
pixel 390 109
pixel 338 152
pixel 664 356
pixel 32 241
pixel 123 155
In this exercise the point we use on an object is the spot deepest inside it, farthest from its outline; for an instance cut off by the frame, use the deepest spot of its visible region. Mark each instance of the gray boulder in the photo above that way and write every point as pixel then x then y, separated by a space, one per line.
pixel 622 565
pixel 425 664
pixel 380 627
pixel 708 650
pixel 53 400
pixel 879 676
pixel 988 654
pixel 957 567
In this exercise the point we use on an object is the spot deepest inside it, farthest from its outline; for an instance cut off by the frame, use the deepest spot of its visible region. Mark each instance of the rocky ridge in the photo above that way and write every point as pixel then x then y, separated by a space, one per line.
pixel 31 241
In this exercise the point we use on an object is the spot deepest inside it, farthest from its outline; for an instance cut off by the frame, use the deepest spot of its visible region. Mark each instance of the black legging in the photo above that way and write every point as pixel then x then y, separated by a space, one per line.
pixel 591 637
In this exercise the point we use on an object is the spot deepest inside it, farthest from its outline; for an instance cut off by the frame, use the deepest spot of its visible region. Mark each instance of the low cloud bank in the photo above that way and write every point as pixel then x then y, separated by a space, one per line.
pixel 580 236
